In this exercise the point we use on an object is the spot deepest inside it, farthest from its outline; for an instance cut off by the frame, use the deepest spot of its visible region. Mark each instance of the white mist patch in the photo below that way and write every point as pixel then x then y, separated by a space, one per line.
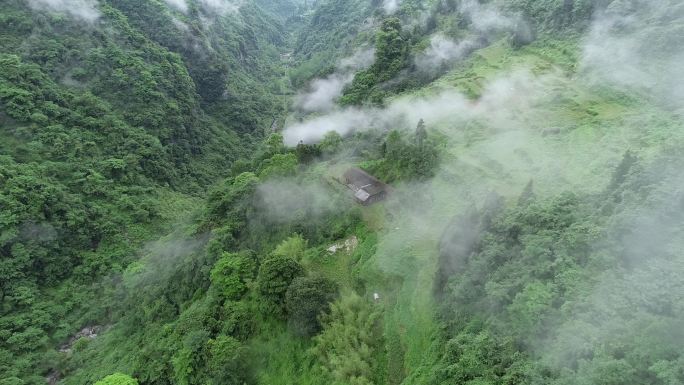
pixel 637 47
pixel 613 57
pixel 391 6
pixel 85 10
pixel 221 7
pixel 487 17
pixel 313 130
pixel 38 232
pixel 180 25
pixel 163 258
pixel 485 21
pixel 500 102
pixel 360 59
pixel 285 199
pixel 180 5
pixel 443 50
pixel 626 302
pixel 322 94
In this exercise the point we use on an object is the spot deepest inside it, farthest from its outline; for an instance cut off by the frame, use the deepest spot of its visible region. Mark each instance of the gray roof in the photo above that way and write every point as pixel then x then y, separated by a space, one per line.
pixel 360 180
pixel 362 195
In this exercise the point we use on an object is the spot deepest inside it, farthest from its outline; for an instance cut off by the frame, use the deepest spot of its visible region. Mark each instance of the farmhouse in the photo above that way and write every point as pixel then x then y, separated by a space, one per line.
pixel 367 189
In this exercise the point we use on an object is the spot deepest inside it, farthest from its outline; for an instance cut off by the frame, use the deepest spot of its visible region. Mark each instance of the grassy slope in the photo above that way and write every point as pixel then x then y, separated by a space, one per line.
pixel 592 128
pixel 571 141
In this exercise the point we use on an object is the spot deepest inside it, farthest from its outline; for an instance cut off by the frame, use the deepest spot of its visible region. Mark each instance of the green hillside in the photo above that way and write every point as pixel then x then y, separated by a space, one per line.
pixel 174 210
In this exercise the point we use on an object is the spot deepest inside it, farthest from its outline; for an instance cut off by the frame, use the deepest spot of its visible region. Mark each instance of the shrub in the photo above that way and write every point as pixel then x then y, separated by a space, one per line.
pixel 306 299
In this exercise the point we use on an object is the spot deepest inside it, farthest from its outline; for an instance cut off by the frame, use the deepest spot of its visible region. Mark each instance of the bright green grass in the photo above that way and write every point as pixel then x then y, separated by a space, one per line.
pixel 569 140
pixel 281 357
pixel 337 266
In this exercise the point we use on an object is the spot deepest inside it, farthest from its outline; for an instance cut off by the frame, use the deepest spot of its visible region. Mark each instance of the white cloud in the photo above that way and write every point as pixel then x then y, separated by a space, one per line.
pixel 485 21
pixel 391 6
pixel 516 91
pixel 322 94
pixel 180 5
pixel 636 47
pixel 180 25
pixel 360 59
pixel 82 9
pixel 284 200
pixel 222 6
pixel 443 50
pixel 342 122
pixel 487 17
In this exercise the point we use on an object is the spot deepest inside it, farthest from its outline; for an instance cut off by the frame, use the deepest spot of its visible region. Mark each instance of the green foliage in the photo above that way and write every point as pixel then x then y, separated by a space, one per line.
pixel 275 276
pixel 480 358
pixel 292 247
pixel 517 300
pixel 227 203
pixel 306 153
pixel 279 165
pixel 227 363
pixel 204 360
pixel 274 144
pixel 524 282
pixel 557 14
pixel 77 200
pixel 325 37
pixel 232 273
pixel 117 379
pixel 629 160
pixel 349 348
pixel 306 299
pixel 360 89
pixel 415 158
pixel 330 143
pixel 111 129
pixel 527 196
pixel 238 319
pixel 391 56
pixel 101 124
pixel 391 50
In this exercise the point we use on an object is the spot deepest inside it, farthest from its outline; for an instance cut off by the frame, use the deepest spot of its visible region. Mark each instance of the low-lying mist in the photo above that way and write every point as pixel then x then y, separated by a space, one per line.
pixel 560 130
pixel 85 10
pixel 88 11
pixel 321 94
pixel 486 22
pixel 283 200
pixel 637 47
pixel 517 91
pixel 391 6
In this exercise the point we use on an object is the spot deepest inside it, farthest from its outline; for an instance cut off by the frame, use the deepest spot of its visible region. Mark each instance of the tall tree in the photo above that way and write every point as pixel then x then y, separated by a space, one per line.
pixel 307 298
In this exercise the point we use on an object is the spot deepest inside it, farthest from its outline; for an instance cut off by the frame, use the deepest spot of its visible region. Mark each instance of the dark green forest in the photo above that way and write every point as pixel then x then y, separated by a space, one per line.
pixel 173 211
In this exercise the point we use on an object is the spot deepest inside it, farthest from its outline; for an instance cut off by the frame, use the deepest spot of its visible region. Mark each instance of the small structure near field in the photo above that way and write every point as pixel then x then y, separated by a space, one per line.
pixel 367 189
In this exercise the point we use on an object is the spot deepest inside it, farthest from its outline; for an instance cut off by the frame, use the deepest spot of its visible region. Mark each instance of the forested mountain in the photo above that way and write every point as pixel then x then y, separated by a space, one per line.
pixel 175 203
pixel 109 111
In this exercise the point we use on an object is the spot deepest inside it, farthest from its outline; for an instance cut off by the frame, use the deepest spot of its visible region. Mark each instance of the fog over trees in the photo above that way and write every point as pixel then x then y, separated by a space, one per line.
pixel 182 195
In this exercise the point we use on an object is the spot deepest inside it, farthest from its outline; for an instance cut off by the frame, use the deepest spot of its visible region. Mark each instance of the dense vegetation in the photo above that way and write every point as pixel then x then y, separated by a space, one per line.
pixel 526 288
pixel 155 229
pixel 107 131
